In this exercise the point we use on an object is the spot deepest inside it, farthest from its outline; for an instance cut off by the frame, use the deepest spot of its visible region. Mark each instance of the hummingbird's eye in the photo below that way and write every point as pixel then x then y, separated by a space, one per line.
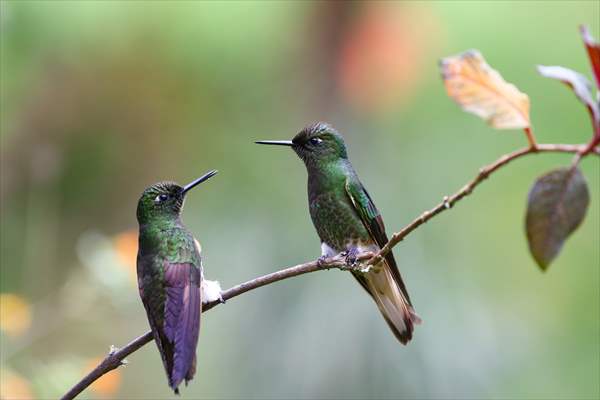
pixel 161 197
pixel 315 141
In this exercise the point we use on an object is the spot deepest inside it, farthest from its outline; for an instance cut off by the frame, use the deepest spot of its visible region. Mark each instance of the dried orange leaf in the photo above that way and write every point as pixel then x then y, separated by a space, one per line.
pixel 556 206
pixel 479 89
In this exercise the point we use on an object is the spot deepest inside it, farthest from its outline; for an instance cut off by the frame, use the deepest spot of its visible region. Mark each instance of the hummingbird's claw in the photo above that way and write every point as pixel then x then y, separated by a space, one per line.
pixel 350 257
pixel 321 261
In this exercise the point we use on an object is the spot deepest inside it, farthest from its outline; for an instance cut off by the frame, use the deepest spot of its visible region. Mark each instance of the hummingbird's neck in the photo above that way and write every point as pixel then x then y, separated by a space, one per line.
pixel 331 175
pixel 154 233
pixel 161 223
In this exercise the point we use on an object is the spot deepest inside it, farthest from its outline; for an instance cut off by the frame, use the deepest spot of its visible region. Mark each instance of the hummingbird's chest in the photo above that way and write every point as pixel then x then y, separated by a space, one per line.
pixel 158 249
pixel 336 221
pixel 171 245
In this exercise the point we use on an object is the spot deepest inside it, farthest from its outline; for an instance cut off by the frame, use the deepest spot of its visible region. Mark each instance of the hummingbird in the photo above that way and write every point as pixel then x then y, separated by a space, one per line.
pixel 348 222
pixel 171 278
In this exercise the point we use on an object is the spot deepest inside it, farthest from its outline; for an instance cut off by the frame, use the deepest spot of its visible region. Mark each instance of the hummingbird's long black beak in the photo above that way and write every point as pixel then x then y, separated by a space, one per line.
pixel 198 181
pixel 276 142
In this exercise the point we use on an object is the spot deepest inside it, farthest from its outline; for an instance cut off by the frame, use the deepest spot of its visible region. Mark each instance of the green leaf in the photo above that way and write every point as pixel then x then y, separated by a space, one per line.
pixel 556 206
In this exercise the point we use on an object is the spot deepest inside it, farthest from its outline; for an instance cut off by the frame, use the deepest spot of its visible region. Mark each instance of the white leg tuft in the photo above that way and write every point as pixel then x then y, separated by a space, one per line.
pixel 211 291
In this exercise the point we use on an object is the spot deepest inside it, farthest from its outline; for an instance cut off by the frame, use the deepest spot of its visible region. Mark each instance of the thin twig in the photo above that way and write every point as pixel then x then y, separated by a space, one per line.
pixel 116 357
pixel 484 172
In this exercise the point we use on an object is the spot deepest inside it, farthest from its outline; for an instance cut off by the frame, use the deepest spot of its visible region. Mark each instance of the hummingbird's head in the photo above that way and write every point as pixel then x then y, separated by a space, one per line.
pixel 316 143
pixel 165 199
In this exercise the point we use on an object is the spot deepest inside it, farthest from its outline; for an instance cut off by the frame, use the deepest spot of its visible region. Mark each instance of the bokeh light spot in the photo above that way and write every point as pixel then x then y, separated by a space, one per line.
pixel 15 314
pixel 108 384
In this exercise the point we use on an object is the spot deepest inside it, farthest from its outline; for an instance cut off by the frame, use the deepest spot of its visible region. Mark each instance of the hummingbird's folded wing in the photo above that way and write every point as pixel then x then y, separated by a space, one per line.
pixel 384 285
pixel 372 220
pixel 183 307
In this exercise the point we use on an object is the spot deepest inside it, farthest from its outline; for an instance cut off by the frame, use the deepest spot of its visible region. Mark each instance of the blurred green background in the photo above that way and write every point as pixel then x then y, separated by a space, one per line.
pixel 100 99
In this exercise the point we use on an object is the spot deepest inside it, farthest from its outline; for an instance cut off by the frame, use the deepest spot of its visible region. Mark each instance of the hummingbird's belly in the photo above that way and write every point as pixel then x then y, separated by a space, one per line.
pixel 337 223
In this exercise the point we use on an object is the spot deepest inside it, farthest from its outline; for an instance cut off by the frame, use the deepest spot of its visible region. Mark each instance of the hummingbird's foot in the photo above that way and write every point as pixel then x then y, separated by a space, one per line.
pixel 350 256
pixel 321 261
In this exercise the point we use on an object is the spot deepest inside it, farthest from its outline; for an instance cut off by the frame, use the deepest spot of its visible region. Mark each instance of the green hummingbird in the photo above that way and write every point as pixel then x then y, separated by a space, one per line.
pixel 348 222
pixel 171 278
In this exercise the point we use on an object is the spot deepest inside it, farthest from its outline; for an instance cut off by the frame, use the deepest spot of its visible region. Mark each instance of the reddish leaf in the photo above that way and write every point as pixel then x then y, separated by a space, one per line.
pixel 576 81
pixel 481 90
pixel 556 206
pixel 593 49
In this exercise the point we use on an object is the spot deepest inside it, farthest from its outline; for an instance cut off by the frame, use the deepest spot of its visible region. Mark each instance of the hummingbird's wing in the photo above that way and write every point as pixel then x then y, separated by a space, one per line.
pixel 386 287
pixel 183 307
pixel 373 221
pixel 175 319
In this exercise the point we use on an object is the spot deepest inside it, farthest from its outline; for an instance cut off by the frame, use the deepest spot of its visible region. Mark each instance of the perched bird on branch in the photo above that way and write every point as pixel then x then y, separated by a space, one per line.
pixel 348 222
pixel 170 277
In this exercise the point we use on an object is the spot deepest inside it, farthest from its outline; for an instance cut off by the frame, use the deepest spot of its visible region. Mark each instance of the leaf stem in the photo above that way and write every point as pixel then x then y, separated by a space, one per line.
pixel 530 137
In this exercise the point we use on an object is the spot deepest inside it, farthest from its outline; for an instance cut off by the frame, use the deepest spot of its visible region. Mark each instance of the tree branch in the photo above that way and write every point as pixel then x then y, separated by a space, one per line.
pixel 116 357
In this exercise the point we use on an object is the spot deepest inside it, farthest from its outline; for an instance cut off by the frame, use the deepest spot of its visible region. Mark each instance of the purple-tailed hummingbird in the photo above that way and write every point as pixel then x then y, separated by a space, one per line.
pixel 170 277
pixel 348 222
